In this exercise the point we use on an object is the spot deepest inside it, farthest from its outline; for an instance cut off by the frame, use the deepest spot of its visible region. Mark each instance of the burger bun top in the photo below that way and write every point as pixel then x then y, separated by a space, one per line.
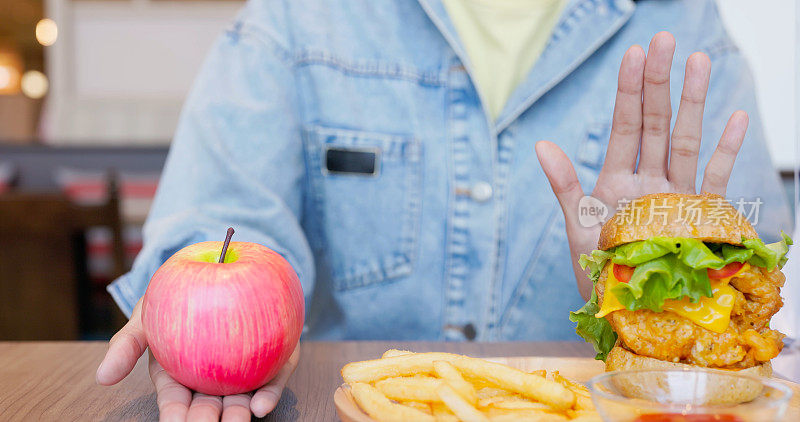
pixel 706 217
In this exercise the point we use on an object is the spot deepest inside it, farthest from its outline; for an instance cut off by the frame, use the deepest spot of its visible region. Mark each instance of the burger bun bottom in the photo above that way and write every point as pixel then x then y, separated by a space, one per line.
pixel 717 389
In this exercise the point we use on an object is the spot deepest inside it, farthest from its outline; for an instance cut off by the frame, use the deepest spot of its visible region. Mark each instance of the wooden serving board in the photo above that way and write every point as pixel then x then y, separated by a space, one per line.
pixel 577 369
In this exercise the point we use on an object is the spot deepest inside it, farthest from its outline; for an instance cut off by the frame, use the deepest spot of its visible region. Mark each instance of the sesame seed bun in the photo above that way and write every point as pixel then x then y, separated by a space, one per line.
pixel 706 217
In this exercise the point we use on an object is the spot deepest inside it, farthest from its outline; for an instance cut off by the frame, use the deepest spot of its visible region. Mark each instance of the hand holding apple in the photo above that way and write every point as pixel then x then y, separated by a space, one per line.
pixel 175 401
pixel 226 327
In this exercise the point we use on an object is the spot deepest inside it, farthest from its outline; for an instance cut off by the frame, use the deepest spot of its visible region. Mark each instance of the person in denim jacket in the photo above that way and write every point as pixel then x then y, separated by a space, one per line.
pixel 349 137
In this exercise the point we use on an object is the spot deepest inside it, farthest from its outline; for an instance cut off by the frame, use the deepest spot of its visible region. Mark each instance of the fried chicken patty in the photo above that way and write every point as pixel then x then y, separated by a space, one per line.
pixel 747 342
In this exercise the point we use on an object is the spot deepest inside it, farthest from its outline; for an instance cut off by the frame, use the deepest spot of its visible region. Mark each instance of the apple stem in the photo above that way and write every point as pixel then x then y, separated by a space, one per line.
pixel 225 245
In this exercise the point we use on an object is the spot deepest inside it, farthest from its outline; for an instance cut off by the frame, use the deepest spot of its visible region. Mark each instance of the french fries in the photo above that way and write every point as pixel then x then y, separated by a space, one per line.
pixel 583 399
pixel 394 352
pixel 396 366
pixel 463 410
pixel 506 377
pixel 445 387
pixel 585 416
pixel 512 379
pixel 516 402
pixel 489 392
pixel 378 407
pixel 524 415
pixel 454 379
pixel 442 413
pixel 421 388
pixel 421 406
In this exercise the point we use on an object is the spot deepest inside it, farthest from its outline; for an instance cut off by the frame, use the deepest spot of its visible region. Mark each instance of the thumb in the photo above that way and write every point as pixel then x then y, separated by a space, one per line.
pixel 124 350
pixel 267 397
pixel 562 177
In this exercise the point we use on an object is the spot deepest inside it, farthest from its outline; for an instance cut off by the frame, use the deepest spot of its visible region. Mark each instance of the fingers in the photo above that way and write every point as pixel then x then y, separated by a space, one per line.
pixel 685 144
pixel 124 350
pixel 205 408
pixel 177 403
pixel 562 177
pixel 266 398
pixel 626 129
pixel 718 170
pixel 236 408
pixel 656 108
pixel 173 399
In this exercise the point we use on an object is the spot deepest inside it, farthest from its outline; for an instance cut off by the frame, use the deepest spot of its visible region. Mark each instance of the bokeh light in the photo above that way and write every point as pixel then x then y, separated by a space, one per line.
pixel 5 77
pixel 46 32
pixel 10 70
pixel 34 84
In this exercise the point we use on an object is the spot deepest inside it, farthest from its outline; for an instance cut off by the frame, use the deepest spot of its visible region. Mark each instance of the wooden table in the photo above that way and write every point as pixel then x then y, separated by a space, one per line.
pixel 55 380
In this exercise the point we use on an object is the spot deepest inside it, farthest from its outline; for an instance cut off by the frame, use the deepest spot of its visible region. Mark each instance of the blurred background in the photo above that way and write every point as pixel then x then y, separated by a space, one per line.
pixel 90 93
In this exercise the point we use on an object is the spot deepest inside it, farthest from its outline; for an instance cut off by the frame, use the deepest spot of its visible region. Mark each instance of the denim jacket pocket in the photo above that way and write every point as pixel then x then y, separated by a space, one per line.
pixel 366 190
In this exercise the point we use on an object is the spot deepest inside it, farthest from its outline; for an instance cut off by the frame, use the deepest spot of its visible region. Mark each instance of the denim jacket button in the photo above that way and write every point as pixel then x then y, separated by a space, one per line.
pixel 469 331
pixel 481 192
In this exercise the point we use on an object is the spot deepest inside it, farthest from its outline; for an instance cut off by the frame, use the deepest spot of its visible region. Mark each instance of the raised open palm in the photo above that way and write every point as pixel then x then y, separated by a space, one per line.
pixel 641 128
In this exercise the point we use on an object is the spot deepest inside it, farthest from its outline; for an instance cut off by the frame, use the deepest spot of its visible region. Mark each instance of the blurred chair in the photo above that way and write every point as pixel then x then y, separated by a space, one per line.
pixel 44 287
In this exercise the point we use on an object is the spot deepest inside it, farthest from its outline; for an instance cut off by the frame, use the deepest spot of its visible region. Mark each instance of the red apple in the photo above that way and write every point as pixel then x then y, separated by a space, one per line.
pixel 223 328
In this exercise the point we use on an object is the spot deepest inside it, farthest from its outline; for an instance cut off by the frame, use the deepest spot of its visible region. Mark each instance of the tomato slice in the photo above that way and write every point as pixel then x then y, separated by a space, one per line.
pixel 623 273
pixel 725 271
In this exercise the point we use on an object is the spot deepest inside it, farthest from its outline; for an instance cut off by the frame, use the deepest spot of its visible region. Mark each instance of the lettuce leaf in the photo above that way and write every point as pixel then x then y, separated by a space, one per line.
pixel 771 255
pixel 663 278
pixel 596 331
pixel 595 262
pixel 690 252
pixel 673 268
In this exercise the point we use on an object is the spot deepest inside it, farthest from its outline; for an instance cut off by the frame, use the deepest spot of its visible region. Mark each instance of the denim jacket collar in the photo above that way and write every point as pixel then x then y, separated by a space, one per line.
pixel 582 28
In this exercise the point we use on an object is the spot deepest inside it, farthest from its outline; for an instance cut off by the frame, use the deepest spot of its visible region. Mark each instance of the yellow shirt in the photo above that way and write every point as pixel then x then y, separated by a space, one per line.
pixel 503 39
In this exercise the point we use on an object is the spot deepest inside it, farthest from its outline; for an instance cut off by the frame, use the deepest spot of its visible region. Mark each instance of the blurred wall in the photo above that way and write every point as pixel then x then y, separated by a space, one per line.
pixel 766 33
pixel 120 69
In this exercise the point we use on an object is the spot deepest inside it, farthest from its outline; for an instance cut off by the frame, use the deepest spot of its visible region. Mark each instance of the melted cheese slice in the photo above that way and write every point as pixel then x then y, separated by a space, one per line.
pixel 610 301
pixel 712 313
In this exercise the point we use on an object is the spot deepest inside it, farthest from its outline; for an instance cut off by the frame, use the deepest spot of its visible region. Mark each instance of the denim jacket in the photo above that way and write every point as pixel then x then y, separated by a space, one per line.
pixel 348 136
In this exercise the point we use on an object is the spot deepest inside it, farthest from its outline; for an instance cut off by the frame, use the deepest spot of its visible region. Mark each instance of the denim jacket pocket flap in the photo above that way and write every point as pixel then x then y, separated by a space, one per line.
pixel 591 153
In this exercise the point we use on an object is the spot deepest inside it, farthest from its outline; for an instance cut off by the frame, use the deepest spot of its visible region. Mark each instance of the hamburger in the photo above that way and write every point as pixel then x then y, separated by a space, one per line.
pixel 683 280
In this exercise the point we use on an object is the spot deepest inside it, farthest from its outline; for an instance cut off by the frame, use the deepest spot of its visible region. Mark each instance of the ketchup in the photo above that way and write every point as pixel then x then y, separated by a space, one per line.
pixel 677 417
